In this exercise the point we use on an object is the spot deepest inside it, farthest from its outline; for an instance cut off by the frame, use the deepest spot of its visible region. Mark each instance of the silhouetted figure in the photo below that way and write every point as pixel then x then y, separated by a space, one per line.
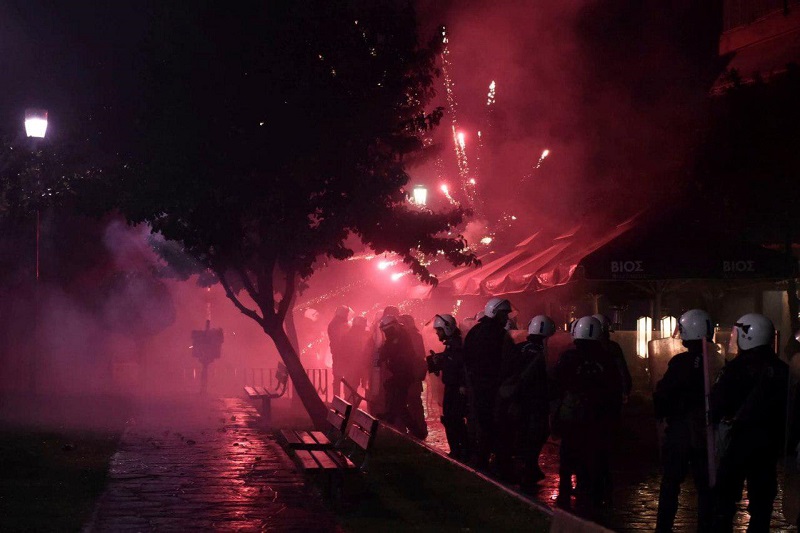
pixel 483 350
pixel 524 403
pixel 356 363
pixel 337 328
pixel 397 355
pixel 590 395
pixel 415 408
pixel 376 394
pixel 450 363
pixel 679 399
pixel 749 399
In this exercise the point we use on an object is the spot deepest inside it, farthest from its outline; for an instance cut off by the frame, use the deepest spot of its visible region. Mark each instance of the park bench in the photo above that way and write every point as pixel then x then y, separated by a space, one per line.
pixel 338 414
pixel 351 455
pixel 266 397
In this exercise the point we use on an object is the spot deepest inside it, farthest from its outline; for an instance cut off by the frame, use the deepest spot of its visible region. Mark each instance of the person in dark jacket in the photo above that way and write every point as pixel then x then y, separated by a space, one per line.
pixel 616 353
pixel 355 368
pixel 679 399
pixel 337 329
pixel 450 364
pixel 397 354
pixel 415 408
pixel 749 399
pixel 524 403
pixel 483 350
pixel 590 390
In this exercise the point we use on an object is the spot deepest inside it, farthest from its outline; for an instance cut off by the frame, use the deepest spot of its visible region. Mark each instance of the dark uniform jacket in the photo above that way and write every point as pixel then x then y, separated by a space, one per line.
pixel 483 352
pixel 681 390
pixel 524 373
pixel 589 383
pixel 399 355
pixel 752 392
pixel 450 362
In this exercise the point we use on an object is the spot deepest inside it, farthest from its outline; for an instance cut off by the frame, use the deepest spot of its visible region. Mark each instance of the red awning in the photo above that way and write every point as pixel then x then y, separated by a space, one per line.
pixel 534 264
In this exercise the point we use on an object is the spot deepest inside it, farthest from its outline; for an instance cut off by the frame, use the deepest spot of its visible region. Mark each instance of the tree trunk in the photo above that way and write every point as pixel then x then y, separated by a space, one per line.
pixel 302 385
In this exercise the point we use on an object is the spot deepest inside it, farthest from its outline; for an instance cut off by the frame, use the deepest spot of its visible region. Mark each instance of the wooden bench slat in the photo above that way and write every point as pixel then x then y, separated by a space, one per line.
pixel 307 460
pixel 359 437
pixel 336 420
pixel 306 437
pixel 364 420
pixel 324 460
pixel 321 438
pixel 291 437
pixel 261 391
pixel 251 392
pixel 341 406
pixel 341 459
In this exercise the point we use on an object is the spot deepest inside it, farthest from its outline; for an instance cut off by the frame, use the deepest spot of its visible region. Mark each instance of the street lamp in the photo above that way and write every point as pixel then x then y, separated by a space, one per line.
pixel 35 123
pixel 420 195
pixel 36 127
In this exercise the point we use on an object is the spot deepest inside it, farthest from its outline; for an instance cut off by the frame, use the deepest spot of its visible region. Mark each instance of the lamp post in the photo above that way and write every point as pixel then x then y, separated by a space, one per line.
pixel 35 128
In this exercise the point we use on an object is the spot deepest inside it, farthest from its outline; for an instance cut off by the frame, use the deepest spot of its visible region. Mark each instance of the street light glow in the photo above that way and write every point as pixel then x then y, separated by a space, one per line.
pixel 35 123
pixel 420 195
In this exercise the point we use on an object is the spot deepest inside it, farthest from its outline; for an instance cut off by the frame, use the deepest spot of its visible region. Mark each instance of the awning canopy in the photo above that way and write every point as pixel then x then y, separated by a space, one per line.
pixel 538 262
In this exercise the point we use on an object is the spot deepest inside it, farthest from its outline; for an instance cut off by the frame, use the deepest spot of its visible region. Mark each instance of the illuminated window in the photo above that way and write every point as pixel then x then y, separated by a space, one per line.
pixel 668 325
pixel 644 332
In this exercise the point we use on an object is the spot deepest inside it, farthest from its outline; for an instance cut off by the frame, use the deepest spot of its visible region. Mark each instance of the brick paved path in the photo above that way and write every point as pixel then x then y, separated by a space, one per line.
pixel 636 475
pixel 204 466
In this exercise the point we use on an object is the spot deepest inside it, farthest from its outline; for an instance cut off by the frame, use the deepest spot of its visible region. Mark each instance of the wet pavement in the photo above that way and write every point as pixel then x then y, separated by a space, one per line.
pixel 635 472
pixel 206 466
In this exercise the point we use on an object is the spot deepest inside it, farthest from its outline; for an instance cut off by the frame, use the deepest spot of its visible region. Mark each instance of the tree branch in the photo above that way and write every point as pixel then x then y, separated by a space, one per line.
pixel 230 294
pixel 266 289
pixel 248 284
pixel 288 295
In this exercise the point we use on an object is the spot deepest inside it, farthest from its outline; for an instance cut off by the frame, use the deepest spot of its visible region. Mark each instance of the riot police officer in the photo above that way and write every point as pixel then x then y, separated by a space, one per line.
pixel 523 401
pixel 450 364
pixel 397 353
pixel 590 396
pixel 484 346
pixel 749 399
pixel 679 400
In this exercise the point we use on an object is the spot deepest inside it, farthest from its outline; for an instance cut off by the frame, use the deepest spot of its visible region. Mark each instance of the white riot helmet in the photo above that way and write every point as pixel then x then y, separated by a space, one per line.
pixel 587 328
pixel 694 325
pixel 446 323
pixel 497 305
pixel 753 330
pixel 604 322
pixel 541 325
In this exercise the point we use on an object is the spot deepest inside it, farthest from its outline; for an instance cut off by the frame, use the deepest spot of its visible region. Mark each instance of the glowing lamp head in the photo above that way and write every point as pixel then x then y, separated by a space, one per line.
pixel 486 240
pixel 444 188
pixel 545 153
pixel 461 139
pixel 397 275
pixel 383 265
pixel 35 122
pixel 472 181
pixel 420 195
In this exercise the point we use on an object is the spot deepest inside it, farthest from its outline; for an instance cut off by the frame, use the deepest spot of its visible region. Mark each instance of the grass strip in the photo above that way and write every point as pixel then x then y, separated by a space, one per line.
pixel 51 479
pixel 409 488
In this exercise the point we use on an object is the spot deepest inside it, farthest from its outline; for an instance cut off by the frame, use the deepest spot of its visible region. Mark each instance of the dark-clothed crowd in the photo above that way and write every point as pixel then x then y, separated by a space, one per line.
pixel 501 402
